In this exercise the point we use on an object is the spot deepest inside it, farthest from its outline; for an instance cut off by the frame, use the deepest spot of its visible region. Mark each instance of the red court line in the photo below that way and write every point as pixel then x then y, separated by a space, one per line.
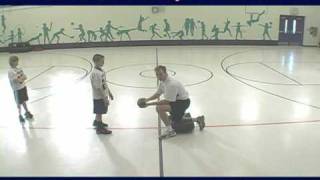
pixel 265 124
pixel 207 126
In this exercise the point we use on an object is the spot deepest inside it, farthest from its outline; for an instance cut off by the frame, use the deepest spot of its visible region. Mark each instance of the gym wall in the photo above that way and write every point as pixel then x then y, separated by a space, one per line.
pixel 30 20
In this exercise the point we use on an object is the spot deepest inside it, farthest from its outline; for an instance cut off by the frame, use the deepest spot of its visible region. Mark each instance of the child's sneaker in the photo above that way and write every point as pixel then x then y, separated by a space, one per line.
pixel 21 119
pixel 201 123
pixel 168 134
pixel 28 115
pixel 96 123
pixel 103 131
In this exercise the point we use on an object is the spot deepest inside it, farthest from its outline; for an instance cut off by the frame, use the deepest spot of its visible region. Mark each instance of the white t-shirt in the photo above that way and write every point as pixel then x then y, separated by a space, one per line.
pixel 13 74
pixel 172 90
pixel 98 82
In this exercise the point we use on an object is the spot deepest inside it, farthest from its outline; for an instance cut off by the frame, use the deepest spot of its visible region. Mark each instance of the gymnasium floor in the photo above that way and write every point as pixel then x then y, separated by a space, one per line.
pixel 261 105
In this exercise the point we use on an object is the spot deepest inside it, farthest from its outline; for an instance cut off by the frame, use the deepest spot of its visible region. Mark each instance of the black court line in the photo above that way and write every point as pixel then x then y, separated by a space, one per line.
pixel 153 77
pixel 264 82
pixel 270 93
pixel 161 169
pixel 87 72
pixel 76 80
pixel 36 76
pixel 164 63
pixel 281 74
pixel 207 126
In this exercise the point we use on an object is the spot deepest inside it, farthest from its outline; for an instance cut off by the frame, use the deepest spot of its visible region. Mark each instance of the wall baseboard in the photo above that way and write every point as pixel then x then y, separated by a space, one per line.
pixel 148 43
pixel 310 46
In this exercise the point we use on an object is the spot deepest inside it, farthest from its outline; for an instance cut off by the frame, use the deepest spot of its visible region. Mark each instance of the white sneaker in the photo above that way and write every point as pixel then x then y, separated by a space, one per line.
pixel 168 134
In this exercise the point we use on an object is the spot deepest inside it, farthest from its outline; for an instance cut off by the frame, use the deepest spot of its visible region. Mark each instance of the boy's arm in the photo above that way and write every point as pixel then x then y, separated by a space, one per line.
pixel 97 84
pixel 13 76
pixel 110 94
pixel 24 75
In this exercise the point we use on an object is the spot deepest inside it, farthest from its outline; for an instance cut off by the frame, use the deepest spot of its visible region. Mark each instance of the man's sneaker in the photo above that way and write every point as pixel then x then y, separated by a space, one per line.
pixel 28 115
pixel 187 115
pixel 201 123
pixel 168 134
pixel 21 119
pixel 103 131
pixel 96 123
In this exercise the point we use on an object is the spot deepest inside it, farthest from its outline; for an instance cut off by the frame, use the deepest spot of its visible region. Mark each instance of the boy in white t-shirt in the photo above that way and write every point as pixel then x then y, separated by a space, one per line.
pixel 100 92
pixel 17 81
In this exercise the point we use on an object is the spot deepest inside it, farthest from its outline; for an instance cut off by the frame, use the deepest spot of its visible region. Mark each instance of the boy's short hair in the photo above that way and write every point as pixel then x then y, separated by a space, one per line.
pixel 12 60
pixel 161 68
pixel 97 57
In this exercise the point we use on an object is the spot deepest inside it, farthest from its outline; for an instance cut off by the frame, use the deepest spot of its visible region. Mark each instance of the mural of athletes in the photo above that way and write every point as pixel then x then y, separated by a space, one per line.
pixel 191 28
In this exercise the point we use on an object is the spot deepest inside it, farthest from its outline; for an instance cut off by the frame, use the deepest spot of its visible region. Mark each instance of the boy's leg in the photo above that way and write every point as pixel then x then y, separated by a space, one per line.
pixel 100 108
pixel 99 117
pixel 98 120
pixel 100 128
pixel 25 107
pixel 17 98
pixel 27 114
pixel 21 119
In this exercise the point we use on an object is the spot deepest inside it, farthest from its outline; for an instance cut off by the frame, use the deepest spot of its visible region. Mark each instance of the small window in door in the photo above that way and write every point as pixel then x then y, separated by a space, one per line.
pixel 294 26
pixel 286 26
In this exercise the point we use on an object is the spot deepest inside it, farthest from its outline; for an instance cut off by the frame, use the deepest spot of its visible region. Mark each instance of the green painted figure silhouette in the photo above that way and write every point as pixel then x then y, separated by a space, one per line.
pixel 46 30
pixel 203 30
pixel 139 26
pixel 19 34
pixel 11 37
pixel 166 29
pixel 57 35
pixel 187 25
pixel 108 29
pixel 1 39
pixel 179 34
pixel 215 31
pixel 3 23
pixel 103 34
pixel 154 32
pixel 192 25
pixel 266 27
pixel 35 38
pixel 238 30
pixel 226 27
pixel 91 34
pixel 251 20
pixel 82 33
pixel 126 32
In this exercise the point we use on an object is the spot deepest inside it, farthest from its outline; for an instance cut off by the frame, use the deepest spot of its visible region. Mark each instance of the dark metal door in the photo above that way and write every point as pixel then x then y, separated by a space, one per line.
pixel 291 29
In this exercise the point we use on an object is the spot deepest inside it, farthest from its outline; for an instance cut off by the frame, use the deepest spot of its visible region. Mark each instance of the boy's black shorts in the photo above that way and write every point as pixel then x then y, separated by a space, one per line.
pixel 99 107
pixel 21 95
